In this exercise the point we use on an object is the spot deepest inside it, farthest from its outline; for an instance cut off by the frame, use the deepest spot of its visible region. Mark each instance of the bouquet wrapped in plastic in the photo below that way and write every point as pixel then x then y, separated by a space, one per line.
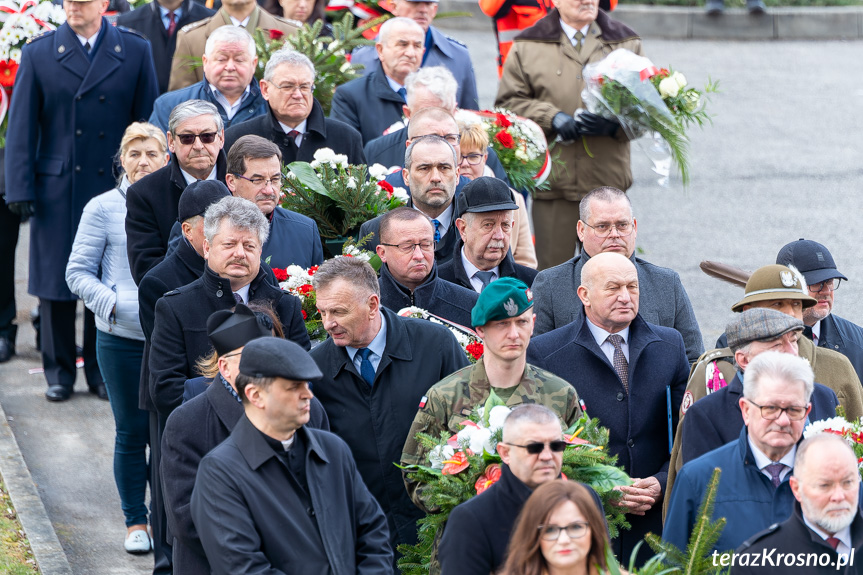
pixel 646 100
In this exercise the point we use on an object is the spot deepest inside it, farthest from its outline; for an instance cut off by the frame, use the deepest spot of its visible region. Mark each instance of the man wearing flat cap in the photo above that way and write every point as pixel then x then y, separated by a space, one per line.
pixel 198 426
pixel 409 274
pixel 823 327
pixel 503 317
pixel 481 255
pixel 277 496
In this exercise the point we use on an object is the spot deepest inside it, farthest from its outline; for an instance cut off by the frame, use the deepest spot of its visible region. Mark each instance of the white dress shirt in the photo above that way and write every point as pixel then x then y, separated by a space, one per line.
pixel 378 344
pixel 471 270
pixel 844 536
pixel 301 128
pixel 190 178
pixel 762 461
pixel 601 337
pixel 243 292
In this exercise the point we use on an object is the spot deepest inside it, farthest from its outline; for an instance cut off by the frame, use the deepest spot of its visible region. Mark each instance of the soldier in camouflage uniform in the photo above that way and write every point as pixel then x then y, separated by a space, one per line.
pixel 504 318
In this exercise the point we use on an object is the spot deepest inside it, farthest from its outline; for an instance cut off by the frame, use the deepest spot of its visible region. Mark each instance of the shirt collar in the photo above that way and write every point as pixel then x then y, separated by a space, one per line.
pixel 91 39
pixel 177 13
pixel 378 344
pixel 445 218
pixel 242 23
pixel 243 292
pixel 763 461
pixel 600 335
pixel 471 269
pixel 301 127
pixel 218 94
pixel 190 178
pixel 393 84
pixel 570 31
pixel 843 535
pixel 816 330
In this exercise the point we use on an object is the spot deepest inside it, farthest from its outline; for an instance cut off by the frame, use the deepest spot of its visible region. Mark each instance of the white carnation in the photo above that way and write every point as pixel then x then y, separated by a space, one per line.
pixel 324 155
pixel 401 194
pixel 832 424
pixel 496 417
pixel 378 171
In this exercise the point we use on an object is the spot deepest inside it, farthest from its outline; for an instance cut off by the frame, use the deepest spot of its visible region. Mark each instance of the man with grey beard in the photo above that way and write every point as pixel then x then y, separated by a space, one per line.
pixel 826 528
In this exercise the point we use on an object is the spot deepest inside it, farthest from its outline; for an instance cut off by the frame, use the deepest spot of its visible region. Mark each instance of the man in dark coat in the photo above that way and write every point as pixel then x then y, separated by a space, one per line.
pixel 151 202
pixel 631 374
pixel 376 368
pixel 196 427
pixel 375 102
pixel 409 273
pixel 824 327
pixel 485 210
pixel 159 22
pixel 296 121
pixel 76 91
pixel 9 227
pixel 232 275
pixel 607 224
pixel 277 496
pixel 826 522
pixel 477 532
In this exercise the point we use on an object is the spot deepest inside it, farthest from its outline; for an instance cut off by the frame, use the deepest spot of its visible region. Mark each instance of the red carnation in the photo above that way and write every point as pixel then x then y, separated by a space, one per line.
pixel 505 139
pixel 8 70
pixel 305 289
pixel 475 349
pixel 502 121
pixel 387 186
pixel 276 34
pixel 281 274
pixel 305 315
pixel 313 269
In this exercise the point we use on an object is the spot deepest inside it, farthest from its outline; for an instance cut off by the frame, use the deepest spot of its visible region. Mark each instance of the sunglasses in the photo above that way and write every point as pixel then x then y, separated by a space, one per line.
pixel 537 448
pixel 189 139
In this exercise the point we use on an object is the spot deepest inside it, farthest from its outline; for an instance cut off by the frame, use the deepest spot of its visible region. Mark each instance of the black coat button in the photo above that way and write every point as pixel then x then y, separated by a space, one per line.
pixel 630 443
pixel 620 396
pixel 219 293
pixel 101 134
pixel 311 512
pixel 101 98
pixel 77 168
pixel 78 132
pixel 101 172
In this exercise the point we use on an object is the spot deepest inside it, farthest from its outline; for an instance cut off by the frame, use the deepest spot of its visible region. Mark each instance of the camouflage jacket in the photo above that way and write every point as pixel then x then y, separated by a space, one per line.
pixel 450 401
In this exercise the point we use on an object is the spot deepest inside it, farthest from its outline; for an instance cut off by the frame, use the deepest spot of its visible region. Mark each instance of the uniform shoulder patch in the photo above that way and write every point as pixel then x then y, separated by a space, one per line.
pixel 454 41
pixel 131 31
pixel 189 27
pixel 687 402
pixel 41 35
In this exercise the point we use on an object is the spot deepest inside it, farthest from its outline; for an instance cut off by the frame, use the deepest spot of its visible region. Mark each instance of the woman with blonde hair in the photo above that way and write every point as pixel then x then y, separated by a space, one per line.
pixel 560 531
pixel 98 272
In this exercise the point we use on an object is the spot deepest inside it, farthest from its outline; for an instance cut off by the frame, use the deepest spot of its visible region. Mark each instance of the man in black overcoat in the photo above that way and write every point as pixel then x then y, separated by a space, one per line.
pixel 151 202
pixel 296 121
pixel 277 496
pixel 159 22
pixel 196 427
pixel 376 368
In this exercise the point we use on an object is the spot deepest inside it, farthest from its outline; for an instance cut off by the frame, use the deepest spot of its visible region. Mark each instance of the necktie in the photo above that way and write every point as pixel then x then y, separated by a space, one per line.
pixel 172 24
pixel 238 298
pixel 366 368
pixel 807 331
pixel 775 470
pixel 621 366
pixel 87 46
pixel 576 42
pixel 833 542
pixel 403 93
pixel 291 140
pixel 436 230
pixel 485 278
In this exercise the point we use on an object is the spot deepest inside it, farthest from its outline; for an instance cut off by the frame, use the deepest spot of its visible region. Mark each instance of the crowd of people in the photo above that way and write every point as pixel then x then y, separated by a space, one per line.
pixel 152 188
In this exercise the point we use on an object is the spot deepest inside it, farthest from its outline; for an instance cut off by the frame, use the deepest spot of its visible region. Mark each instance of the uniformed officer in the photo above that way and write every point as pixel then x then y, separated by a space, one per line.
pixel 277 496
pixel 77 89
pixel 503 317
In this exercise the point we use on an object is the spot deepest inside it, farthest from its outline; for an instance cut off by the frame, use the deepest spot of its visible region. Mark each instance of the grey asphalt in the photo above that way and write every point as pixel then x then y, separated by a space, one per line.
pixel 779 162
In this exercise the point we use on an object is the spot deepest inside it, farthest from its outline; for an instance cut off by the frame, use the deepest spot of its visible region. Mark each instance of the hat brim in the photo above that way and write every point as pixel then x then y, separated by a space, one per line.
pixel 791 294
pixel 771 337
pixel 492 208
pixel 818 276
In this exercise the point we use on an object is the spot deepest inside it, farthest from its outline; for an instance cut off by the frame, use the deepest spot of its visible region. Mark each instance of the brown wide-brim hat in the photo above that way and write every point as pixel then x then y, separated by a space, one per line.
pixel 774 282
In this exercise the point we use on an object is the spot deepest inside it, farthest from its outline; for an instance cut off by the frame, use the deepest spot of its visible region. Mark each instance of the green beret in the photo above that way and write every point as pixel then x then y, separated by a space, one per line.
pixel 503 298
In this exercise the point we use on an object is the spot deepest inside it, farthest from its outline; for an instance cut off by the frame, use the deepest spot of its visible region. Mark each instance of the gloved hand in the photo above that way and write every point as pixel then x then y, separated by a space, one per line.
pixel 593 125
pixel 23 210
pixel 565 126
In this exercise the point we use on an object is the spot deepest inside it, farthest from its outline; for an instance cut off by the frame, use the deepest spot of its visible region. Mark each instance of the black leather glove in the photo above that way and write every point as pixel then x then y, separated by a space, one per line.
pixel 593 125
pixel 565 126
pixel 23 210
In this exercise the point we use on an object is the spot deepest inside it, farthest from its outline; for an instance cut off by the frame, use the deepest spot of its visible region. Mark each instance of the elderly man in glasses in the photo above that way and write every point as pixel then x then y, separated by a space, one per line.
pixel 254 173
pixel 409 273
pixel 754 490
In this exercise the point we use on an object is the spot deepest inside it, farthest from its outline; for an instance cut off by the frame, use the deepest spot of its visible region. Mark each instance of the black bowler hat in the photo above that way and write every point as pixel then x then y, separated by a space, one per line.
pixel 198 196
pixel 276 357
pixel 229 330
pixel 812 259
pixel 485 195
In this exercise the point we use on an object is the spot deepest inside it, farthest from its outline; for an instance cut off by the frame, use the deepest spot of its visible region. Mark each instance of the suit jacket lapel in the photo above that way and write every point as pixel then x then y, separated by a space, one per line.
pixel 585 339
pixel 640 335
pixel 109 55
pixel 68 53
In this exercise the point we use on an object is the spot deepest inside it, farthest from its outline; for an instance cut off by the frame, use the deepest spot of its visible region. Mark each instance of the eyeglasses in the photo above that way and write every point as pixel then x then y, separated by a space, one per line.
pixel 773 412
pixel 453 139
pixel 831 285
pixel 604 230
pixel 575 530
pixel 189 139
pixel 232 354
pixel 259 182
pixel 409 247
pixel 536 448
pixel 291 88
pixel 472 159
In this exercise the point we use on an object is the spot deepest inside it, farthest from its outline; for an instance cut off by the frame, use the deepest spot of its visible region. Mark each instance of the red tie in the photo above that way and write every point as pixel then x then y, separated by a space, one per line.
pixel 834 543
pixel 172 25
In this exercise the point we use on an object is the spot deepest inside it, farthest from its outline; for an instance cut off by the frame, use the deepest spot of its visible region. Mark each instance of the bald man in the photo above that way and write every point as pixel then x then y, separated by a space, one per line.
pixel 632 375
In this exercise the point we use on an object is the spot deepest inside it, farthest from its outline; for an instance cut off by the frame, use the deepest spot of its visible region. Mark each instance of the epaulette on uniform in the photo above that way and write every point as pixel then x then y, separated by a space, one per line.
pixel 760 535
pixel 131 31
pixel 189 27
pixel 715 354
pixel 44 34
pixel 454 41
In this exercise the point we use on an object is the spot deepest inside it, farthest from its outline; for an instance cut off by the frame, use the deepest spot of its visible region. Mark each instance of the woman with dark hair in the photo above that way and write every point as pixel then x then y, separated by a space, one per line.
pixel 303 11
pixel 560 531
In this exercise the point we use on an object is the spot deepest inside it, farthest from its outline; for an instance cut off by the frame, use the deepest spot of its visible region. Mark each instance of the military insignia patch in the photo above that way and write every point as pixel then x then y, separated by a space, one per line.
pixel 788 279
pixel 529 294
pixel 687 402
pixel 423 402
pixel 511 307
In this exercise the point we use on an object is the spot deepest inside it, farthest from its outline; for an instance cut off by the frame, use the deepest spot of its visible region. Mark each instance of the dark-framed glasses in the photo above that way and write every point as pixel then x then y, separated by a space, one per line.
pixel 772 412
pixel 189 139
pixel 604 230
pixel 453 139
pixel 535 448
pixel 291 88
pixel 259 182
pixel 472 159
pixel 409 247
pixel 831 285
pixel 574 530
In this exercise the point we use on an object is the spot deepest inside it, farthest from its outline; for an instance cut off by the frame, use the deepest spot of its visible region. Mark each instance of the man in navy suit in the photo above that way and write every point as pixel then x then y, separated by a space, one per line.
pixel 631 374
pixel 77 89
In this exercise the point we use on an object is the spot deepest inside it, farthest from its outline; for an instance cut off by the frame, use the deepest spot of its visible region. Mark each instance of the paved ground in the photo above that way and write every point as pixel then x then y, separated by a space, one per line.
pixel 780 162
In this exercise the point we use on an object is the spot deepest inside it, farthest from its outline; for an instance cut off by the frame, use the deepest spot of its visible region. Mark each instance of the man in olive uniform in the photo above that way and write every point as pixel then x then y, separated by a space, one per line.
pixel 503 317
